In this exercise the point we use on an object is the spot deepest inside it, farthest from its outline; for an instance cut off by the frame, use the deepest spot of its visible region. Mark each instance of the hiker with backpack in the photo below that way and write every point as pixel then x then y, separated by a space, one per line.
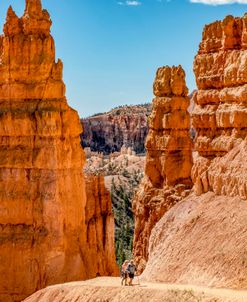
pixel 131 269
pixel 124 274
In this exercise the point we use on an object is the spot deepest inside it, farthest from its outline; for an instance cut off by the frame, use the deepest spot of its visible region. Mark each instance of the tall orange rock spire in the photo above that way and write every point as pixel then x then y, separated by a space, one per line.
pixel 42 189
pixel 12 25
pixel 169 157
pixel 201 240
pixel 36 20
pixel 33 8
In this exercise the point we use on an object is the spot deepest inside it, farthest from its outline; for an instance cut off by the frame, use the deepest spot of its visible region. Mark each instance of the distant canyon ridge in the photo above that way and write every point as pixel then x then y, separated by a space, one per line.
pixel 122 126
pixel 125 125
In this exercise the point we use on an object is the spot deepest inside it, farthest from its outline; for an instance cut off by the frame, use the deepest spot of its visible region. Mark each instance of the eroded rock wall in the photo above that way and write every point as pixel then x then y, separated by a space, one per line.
pixel 202 239
pixel 220 115
pixel 126 126
pixel 169 157
pixel 99 227
pixel 42 187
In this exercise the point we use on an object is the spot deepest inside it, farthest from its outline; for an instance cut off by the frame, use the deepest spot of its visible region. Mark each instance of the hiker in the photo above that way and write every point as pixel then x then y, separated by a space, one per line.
pixel 131 269
pixel 124 274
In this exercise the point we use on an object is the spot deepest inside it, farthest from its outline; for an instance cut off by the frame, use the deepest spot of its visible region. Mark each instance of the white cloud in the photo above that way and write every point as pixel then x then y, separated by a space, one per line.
pixel 219 2
pixel 133 3
pixel 130 3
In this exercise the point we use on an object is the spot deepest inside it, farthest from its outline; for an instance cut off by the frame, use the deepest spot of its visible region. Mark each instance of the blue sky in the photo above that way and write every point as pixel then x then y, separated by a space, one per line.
pixel 112 48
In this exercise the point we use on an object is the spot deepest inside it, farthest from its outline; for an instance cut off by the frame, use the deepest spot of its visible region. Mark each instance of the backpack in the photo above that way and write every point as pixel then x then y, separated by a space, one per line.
pixel 132 269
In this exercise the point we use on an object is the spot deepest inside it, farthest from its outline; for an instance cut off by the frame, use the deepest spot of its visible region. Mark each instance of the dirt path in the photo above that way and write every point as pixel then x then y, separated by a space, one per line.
pixel 107 289
pixel 217 292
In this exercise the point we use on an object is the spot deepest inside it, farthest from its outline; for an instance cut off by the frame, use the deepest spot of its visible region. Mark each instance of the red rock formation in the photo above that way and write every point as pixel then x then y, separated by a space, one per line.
pixel 99 226
pixel 108 132
pixel 42 189
pixel 169 159
pixel 202 240
pixel 220 115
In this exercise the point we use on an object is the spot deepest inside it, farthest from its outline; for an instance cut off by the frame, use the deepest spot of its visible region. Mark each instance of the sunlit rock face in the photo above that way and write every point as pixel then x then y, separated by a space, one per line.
pixel 220 115
pixel 124 126
pixel 42 189
pixel 201 240
pixel 169 157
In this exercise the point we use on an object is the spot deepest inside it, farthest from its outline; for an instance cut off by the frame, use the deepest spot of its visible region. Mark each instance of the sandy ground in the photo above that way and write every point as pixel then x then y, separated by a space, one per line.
pixel 108 289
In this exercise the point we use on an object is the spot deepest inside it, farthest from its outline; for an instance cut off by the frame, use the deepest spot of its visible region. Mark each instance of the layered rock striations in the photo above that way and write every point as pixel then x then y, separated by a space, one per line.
pixel 42 189
pixel 202 239
pixel 220 115
pixel 169 157
pixel 108 132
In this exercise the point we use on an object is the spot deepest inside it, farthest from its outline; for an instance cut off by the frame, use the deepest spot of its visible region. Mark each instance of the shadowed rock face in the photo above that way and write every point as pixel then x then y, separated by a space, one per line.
pixel 42 188
pixel 220 115
pixel 99 227
pixel 169 157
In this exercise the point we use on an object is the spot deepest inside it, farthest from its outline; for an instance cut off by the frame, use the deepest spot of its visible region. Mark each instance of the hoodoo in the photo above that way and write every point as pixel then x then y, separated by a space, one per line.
pixel 42 189
pixel 202 239
pixel 169 158
pixel 190 219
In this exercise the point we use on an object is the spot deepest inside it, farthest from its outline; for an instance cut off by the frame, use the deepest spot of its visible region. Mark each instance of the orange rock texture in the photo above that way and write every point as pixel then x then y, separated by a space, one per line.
pixel 43 205
pixel 220 115
pixel 169 157
pixel 202 239
pixel 99 252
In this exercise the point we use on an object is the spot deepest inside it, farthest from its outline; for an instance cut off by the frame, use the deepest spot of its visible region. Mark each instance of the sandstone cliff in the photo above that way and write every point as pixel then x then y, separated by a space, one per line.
pixel 42 189
pixel 220 115
pixel 108 132
pixel 168 160
pixel 202 240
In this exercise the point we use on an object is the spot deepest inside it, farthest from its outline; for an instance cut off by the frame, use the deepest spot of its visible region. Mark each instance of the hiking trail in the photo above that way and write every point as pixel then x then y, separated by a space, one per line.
pixel 109 289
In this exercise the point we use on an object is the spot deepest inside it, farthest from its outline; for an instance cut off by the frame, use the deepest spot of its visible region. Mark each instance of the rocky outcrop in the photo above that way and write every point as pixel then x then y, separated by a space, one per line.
pixel 220 115
pixel 122 173
pixel 202 239
pixel 42 188
pixel 108 132
pixel 168 160
pixel 99 226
